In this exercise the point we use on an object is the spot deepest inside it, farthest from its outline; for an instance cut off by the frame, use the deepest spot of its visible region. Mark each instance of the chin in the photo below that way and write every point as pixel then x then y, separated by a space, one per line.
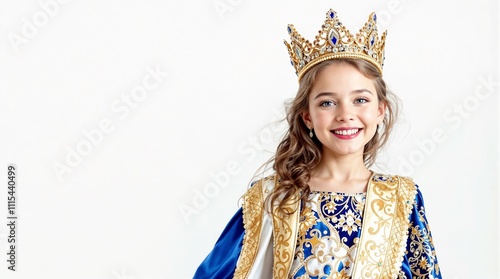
pixel 345 151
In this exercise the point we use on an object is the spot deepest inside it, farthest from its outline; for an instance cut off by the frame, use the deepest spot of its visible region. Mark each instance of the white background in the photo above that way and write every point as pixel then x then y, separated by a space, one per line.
pixel 116 211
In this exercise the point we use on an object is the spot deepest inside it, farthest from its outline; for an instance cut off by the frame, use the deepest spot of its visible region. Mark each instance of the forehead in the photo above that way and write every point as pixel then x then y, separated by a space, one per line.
pixel 341 78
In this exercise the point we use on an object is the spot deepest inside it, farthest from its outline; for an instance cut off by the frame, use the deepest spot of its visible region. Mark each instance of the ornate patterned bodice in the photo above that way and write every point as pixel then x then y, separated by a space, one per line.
pixel 329 231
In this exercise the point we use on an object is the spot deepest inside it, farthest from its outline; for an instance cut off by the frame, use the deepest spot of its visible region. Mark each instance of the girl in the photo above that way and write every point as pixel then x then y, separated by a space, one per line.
pixel 324 213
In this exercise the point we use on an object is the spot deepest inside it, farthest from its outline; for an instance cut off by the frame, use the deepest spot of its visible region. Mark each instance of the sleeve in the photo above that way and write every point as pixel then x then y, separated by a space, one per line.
pixel 420 259
pixel 221 262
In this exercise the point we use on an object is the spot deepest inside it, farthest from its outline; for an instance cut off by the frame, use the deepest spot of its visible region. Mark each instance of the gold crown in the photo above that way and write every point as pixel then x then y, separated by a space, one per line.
pixel 335 41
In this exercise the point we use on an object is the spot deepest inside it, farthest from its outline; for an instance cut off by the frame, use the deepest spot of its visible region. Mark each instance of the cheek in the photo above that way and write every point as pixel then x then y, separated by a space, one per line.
pixel 321 117
pixel 370 116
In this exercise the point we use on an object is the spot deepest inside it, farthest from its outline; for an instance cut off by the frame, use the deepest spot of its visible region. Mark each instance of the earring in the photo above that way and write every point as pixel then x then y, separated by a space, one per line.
pixel 379 128
pixel 311 132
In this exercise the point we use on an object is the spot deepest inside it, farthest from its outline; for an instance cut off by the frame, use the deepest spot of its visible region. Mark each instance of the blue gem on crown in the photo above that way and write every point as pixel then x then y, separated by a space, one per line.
pixel 334 37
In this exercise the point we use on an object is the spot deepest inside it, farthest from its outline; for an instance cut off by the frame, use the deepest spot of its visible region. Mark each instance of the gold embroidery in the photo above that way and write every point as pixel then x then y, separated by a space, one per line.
pixel 423 262
pixel 252 219
pixel 253 212
pixel 385 226
pixel 399 232
pixel 285 237
pixel 307 220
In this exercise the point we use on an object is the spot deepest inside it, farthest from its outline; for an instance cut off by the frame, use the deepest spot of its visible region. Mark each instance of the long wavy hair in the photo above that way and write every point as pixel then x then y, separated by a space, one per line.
pixel 298 154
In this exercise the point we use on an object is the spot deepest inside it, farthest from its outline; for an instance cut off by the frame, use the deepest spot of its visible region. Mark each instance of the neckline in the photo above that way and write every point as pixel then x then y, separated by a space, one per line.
pixel 338 193
pixel 372 176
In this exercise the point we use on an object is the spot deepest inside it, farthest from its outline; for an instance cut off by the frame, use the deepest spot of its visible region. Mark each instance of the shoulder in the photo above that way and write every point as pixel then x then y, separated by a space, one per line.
pixel 254 200
pixel 262 187
pixel 270 179
pixel 406 184
pixel 406 188
pixel 391 178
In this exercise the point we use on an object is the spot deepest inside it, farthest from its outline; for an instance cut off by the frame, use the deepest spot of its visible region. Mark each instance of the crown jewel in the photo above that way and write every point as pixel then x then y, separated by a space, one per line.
pixel 335 41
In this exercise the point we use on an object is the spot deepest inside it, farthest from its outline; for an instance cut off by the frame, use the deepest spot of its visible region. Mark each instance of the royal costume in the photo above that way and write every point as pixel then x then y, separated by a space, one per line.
pixel 382 233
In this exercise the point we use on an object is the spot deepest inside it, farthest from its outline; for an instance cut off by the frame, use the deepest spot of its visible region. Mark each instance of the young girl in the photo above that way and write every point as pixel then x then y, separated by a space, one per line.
pixel 324 213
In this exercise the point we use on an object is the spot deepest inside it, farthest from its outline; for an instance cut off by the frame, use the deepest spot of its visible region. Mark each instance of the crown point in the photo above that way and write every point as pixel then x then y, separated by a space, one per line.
pixel 331 14
pixel 289 29
pixel 374 17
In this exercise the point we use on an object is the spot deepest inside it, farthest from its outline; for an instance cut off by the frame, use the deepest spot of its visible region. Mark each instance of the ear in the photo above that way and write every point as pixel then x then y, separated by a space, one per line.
pixel 306 117
pixel 381 111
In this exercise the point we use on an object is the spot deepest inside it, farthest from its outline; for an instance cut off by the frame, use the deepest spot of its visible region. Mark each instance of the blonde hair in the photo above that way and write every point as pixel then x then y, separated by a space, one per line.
pixel 298 154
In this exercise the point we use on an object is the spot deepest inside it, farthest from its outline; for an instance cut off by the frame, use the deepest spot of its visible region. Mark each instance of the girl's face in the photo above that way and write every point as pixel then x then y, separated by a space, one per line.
pixel 343 110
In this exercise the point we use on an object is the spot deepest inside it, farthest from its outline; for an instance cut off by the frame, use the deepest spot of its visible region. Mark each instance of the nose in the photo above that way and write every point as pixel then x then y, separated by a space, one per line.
pixel 344 113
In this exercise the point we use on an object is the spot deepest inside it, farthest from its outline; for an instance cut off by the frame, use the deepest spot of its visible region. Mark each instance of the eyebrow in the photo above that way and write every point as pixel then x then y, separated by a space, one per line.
pixel 357 91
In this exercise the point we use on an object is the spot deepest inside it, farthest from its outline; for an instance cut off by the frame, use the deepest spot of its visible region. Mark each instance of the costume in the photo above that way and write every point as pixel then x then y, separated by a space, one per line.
pixel 382 233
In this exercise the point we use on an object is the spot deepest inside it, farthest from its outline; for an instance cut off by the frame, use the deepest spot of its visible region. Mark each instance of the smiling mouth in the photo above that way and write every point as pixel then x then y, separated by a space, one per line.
pixel 345 132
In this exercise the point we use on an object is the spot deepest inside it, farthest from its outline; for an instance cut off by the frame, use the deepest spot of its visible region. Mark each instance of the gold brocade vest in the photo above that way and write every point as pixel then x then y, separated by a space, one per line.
pixel 388 204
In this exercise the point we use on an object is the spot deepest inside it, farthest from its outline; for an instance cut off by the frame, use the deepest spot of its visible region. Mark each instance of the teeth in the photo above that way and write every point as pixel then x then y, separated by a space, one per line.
pixel 346 132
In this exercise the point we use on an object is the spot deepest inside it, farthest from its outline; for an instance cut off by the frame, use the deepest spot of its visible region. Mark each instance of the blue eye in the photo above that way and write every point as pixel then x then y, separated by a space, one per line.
pixel 327 103
pixel 361 101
